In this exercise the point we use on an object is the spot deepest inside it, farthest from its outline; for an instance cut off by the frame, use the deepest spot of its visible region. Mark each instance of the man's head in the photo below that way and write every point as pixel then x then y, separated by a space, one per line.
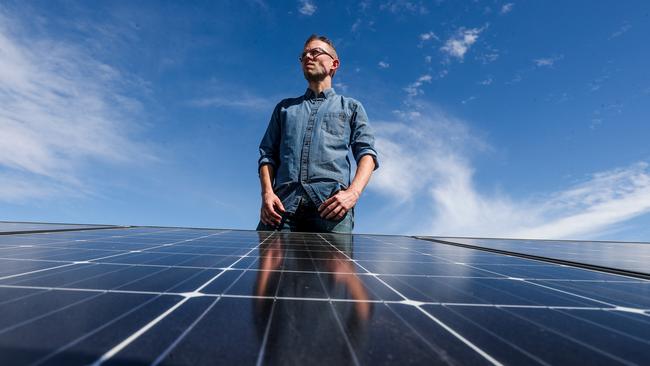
pixel 318 58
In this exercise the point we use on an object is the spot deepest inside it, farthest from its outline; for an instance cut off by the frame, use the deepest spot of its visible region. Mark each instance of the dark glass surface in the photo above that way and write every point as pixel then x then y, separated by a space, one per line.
pixel 197 297
pixel 627 256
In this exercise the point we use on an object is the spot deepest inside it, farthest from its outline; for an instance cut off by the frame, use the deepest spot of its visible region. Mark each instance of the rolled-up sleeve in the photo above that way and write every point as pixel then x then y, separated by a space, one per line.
pixel 362 138
pixel 270 143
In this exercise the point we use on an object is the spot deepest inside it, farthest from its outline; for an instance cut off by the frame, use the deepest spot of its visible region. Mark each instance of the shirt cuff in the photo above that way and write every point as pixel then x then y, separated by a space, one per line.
pixel 265 160
pixel 370 152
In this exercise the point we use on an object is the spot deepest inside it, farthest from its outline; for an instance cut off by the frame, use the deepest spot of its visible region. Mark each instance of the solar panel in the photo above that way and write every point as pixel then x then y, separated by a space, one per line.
pixel 8 227
pixel 193 296
pixel 617 256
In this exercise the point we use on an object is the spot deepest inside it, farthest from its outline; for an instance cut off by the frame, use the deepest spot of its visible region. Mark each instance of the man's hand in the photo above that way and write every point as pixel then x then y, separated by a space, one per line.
pixel 338 205
pixel 272 209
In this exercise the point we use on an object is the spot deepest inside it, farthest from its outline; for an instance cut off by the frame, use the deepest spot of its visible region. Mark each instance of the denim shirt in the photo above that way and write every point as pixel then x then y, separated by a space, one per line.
pixel 307 143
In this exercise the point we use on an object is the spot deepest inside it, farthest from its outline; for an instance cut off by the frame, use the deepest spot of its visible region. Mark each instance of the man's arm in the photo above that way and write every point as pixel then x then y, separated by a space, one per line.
pixel 271 204
pixel 338 205
pixel 272 207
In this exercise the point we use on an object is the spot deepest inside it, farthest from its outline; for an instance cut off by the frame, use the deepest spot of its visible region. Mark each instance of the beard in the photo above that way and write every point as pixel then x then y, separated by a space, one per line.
pixel 315 75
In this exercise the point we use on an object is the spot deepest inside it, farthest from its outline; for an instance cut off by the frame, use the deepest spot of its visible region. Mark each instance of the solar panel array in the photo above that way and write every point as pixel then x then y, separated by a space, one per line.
pixel 192 297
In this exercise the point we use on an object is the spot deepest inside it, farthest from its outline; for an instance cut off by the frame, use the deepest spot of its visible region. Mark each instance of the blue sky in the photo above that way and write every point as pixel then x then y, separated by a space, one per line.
pixel 493 118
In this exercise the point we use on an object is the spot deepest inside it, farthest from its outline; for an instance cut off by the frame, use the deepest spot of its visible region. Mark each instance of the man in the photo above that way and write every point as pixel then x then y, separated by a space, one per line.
pixel 304 166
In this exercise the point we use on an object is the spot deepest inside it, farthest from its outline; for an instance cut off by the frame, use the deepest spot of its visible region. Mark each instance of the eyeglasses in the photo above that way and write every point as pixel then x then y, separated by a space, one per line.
pixel 314 52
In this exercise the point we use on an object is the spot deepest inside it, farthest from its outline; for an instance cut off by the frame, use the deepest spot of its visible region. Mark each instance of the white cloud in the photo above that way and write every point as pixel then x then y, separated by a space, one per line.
pixel 341 86
pixel 622 30
pixel 402 6
pixel 356 25
pixel 465 101
pixel 60 109
pixel 487 81
pixel 488 57
pixel 307 7
pixel 506 8
pixel 428 36
pixel 458 45
pixel 548 61
pixel 414 89
pixel 429 152
pixel 383 65
pixel 244 101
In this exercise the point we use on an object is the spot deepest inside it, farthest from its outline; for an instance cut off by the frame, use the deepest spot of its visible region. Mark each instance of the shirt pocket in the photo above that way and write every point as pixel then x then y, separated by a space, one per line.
pixel 334 123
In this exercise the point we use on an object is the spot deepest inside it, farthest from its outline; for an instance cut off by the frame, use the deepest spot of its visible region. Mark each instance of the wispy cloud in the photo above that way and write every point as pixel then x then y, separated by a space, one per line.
pixel 547 61
pixel 622 30
pixel 306 7
pixel 414 89
pixel 458 44
pixel 60 109
pixel 469 99
pixel 404 6
pixel 487 81
pixel 506 8
pixel 242 101
pixel 383 65
pixel 427 38
pixel 430 153
pixel 356 25
pixel 341 86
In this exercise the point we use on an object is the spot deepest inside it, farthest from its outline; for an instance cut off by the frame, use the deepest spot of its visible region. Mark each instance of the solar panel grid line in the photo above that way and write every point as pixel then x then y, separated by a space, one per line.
pixel 267 330
pixel 185 332
pixel 636 309
pixel 470 344
pixel 348 344
pixel 548 287
pixel 514 306
pixel 563 291
pixel 573 339
pixel 454 333
pixel 98 290
pixel 91 333
pixel 606 328
pixel 35 271
pixel 171 347
pixel 78 262
pixel 116 349
pixel 124 343
pixel 505 341
pixel 46 314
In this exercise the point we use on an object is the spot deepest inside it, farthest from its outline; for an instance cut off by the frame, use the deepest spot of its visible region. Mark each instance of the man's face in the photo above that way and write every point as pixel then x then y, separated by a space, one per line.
pixel 316 67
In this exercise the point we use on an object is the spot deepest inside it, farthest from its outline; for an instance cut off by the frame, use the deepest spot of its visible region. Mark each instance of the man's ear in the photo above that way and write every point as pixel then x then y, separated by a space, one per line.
pixel 335 66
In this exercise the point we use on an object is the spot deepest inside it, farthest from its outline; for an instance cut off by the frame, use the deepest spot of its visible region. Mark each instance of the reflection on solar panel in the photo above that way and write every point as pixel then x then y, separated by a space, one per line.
pixel 619 256
pixel 192 297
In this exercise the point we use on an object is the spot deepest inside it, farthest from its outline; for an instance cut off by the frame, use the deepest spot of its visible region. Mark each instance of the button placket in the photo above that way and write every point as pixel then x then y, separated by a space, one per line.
pixel 304 161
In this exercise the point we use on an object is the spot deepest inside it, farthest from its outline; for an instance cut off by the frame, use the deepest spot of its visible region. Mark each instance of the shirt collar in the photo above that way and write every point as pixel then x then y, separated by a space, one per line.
pixel 327 93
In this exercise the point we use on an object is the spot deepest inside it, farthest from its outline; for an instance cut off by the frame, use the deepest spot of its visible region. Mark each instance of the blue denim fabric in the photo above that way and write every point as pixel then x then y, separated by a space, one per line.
pixel 307 143
pixel 307 219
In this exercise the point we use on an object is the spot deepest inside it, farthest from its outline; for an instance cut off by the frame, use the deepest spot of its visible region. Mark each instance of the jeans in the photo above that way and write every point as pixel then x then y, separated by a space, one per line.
pixel 307 219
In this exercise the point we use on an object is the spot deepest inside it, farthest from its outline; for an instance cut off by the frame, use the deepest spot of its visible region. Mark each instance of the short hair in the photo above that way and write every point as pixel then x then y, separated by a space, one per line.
pixel 316 37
